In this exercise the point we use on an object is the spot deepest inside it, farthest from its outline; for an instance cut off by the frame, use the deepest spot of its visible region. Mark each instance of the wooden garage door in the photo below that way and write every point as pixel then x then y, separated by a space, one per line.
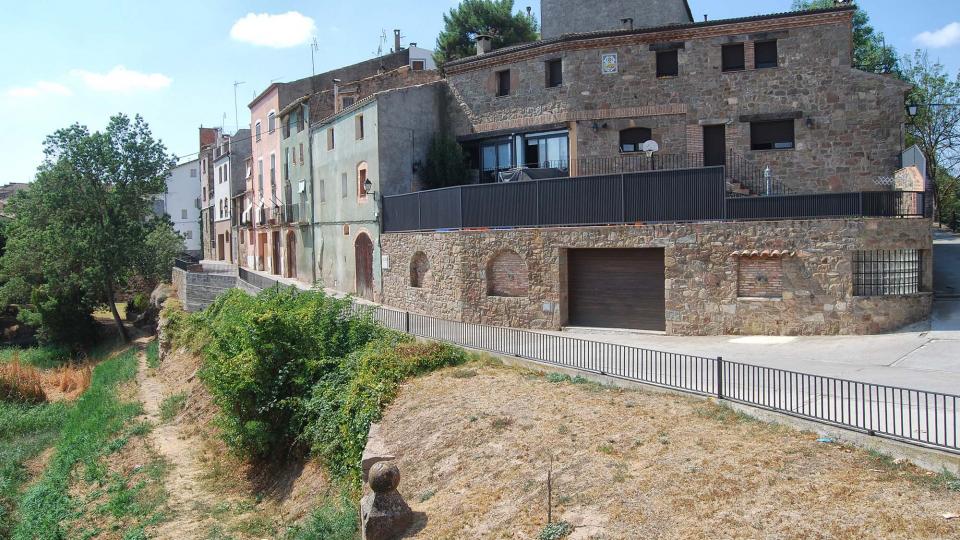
pixel 616 288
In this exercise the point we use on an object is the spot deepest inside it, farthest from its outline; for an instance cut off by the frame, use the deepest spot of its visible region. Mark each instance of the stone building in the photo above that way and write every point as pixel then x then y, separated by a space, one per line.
pixel 230 154
pixel 561 17
pixel 796 234
pixel 208 138
pixel 773 91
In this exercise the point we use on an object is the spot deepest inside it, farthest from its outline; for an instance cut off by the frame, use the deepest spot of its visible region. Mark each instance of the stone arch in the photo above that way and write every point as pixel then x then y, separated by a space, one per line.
pixel 507 275
pixel 419 270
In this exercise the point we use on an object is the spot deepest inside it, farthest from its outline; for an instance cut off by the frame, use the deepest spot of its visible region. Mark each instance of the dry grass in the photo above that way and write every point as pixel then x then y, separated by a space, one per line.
pixel 70 380
pixel 631 464
pixel 21 383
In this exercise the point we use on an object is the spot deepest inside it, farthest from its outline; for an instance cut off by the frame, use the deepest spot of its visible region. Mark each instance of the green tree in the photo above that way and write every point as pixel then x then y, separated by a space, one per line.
pixel 870 51
pixel 936 127
pixel 446 163
pixel 489 17
pixel 85 225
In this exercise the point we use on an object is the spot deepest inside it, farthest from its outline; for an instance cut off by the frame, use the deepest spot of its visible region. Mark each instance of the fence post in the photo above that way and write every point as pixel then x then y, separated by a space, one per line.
pixel 719 377
pixel 406 322
pixel 623 200
pixel 861 203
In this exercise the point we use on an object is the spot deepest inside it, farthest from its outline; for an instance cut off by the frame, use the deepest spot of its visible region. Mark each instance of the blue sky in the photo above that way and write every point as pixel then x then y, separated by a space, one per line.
pixel 174 62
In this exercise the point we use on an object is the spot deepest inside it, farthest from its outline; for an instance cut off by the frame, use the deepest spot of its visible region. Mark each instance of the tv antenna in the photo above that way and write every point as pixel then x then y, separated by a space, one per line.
pixel 236 109
pixel 383 42
pixel 314 47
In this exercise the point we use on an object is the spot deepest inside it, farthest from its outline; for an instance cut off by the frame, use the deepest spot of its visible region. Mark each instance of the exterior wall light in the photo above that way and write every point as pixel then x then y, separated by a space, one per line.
pixel 368 186
pixel 912 109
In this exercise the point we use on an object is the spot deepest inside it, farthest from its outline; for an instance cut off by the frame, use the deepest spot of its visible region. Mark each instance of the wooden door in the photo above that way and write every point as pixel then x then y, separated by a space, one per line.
pixel 714 145
pixel 276 253
pixel 364 266
pixel 616 288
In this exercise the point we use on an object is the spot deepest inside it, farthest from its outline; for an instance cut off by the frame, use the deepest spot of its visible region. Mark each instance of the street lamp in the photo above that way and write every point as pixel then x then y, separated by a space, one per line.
pixel 368 187
pixel 912 109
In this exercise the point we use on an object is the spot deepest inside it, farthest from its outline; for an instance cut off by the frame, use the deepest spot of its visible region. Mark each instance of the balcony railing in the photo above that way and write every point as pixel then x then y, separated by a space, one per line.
pixel 743 177
pixel 681 195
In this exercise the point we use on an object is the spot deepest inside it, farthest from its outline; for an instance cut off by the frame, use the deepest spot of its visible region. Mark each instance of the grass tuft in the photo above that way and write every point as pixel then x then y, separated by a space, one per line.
pixel 172 405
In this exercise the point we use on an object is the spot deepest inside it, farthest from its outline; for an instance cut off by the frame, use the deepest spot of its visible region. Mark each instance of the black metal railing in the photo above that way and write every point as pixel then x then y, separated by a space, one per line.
pixel 915 416
pixel 184 264
pixel 655 196
pixel 675 195
pixel 920 417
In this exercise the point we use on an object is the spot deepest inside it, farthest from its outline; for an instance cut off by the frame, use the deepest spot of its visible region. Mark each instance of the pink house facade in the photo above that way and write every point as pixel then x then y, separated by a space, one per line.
pixel 262 208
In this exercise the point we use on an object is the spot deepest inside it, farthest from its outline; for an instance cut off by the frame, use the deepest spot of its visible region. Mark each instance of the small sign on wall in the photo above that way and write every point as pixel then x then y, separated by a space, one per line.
pixel 385 262
pixel 609 63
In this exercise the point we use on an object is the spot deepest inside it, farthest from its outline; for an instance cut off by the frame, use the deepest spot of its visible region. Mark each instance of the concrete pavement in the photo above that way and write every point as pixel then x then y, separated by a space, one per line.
pixel 925 356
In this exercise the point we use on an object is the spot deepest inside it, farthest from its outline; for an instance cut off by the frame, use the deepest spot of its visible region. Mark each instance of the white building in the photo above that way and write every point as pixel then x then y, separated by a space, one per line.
pixel 182 203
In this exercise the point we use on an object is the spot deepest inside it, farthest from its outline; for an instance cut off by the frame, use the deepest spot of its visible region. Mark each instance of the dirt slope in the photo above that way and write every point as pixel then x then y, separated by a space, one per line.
pixel 475 446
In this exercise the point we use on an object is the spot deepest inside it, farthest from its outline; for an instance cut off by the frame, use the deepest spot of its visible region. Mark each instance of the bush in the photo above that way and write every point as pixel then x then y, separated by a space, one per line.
pixel 329 522
pixel 138 304
pixel 347 400
pixel 446 164
pixel 264 355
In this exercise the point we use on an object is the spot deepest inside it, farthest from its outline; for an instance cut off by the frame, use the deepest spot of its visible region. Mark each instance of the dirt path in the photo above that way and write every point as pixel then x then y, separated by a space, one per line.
pixel 187 496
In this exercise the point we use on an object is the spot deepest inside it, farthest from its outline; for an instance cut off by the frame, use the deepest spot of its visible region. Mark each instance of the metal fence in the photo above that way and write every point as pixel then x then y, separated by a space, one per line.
pixel 674 195
pixel 913 416
pixel 930 419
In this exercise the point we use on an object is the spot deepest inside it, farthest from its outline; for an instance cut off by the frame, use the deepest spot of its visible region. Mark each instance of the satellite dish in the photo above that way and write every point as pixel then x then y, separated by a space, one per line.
pixel 650 147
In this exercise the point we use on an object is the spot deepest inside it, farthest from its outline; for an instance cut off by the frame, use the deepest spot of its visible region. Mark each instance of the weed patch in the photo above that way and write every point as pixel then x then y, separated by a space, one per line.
pixel 555 531
pixel 172 405
pixel 153 355
pixel 335 520
pixel 20 383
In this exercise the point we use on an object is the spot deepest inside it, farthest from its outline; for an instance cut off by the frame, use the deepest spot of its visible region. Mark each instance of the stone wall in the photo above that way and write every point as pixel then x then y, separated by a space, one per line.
pixel 197 290
pixel 701 274
pixel 847 123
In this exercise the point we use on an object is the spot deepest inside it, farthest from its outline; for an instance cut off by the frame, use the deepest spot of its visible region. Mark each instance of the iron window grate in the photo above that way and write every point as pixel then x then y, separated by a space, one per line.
pixel 887 272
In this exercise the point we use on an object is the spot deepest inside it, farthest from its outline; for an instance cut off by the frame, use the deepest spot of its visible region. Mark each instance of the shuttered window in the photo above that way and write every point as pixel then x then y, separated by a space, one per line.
pixel 773 135
pixel 554 73
pixel 765 54
pixel 733 57
pixel 503 83
pixel 668 64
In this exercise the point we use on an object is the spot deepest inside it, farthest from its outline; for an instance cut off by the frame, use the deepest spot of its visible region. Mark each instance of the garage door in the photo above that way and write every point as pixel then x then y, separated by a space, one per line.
pixel 616 288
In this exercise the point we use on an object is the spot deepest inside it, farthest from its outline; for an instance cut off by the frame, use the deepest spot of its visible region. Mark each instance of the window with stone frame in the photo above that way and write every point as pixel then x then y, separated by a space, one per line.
pixel 503 83
pixel 419 270
pixel 733 57
pixel 772 135
pixel 632 139
pixel 760 277
pixel 361 180
pixel 765 54
pixel 507 275
pixel 668 63
pixel 358 126
pixel 271 122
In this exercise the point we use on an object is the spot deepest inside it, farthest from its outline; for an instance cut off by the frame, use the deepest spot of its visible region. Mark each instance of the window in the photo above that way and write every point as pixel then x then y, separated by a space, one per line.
pixel 272 122
pixel 765 54
pixel 495 157
pixel 361 178
pixel 301 153
pixel 273 172
pixel 330 140
pixel 289 126
pixel 418 65
pixel 301 119
pixel 668 64
pixel 547 150
pixel 733 57
pixel 260 177
pixel 554 73
pixel 760 277
pixel 773 135
pixel 203 167
pixel 632 139
pixel 286 164
pixel 343 186
pixel 323 191
pixel 188 235
pixel 257 130
pixel 358 126
pixel 183 213
pixel 347 101
pixel 204 192
pixel 887 272
pixel 503 83
pixel 193 173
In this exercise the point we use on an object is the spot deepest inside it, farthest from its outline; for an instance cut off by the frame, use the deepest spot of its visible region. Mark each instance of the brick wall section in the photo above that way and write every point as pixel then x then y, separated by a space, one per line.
pixel 760 277
pixel 855 117
pixel 701 288
pixel 507 275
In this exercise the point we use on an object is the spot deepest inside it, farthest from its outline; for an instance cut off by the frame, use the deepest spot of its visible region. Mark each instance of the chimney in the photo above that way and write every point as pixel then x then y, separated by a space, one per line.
pixel 413 44
pixel 627 24
pixel 396 40
pixel 484 44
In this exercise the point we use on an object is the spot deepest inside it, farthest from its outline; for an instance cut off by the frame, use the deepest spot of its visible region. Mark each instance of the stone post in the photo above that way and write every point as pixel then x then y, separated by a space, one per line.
pixel 383 513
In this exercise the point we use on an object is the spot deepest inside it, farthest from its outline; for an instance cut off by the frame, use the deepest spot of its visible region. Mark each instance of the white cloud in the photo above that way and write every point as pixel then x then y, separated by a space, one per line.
pixel 121 79
pixel 944 37
pixel 278 31
pixel 40 88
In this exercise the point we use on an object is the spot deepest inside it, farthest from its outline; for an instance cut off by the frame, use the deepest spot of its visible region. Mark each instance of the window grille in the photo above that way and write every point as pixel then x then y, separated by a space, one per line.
pixel 887 272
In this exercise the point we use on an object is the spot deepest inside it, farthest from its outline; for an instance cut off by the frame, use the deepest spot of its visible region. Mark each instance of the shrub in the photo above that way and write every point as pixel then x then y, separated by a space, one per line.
pixel 348 399
pixel 264 355
pixel 329 522
pixel 138 304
